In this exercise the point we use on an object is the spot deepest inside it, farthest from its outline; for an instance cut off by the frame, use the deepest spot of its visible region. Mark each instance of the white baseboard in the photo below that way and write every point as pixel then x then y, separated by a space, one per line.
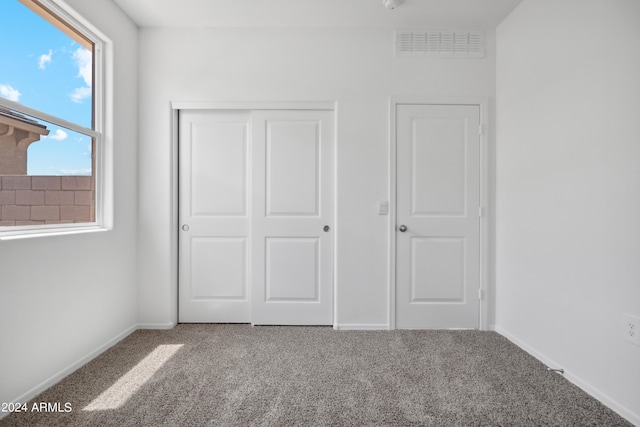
pixel 169 325
pixel 623 411
pixel 361 327
pixel 71 368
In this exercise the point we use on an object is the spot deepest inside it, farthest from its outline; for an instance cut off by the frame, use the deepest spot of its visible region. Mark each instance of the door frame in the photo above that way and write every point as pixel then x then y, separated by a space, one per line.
pixel 486 294
pixel 175 107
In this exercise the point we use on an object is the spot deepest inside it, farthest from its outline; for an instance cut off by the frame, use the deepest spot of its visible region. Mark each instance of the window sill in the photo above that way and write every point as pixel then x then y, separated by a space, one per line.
pixel 46 232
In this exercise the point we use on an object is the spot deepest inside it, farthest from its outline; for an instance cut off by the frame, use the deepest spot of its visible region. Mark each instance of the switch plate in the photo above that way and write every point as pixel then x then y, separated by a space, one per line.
pixel 383 207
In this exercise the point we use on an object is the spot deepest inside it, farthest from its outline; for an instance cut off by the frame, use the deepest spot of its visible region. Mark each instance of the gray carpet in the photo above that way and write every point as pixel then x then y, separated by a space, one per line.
pixel 238 375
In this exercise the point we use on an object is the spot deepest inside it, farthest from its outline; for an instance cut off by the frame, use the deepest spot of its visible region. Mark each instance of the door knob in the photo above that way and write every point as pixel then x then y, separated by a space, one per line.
pixel 326 228
pixel 185 227
pixel 402 228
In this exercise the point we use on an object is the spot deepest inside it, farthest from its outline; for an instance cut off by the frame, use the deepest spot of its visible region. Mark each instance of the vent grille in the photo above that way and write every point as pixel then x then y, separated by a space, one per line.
pixel 452 44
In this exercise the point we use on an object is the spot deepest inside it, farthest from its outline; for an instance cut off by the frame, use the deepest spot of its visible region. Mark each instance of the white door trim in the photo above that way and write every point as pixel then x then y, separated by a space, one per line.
pixel 175 107
pixel 253 105
pixel 485 198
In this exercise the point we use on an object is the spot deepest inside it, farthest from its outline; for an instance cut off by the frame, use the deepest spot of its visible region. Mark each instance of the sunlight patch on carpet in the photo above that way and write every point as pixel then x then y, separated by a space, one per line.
pixel 118 394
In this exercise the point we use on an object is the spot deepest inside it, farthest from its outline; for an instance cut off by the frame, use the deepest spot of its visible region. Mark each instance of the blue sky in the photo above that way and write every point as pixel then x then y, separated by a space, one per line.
pixel 43 68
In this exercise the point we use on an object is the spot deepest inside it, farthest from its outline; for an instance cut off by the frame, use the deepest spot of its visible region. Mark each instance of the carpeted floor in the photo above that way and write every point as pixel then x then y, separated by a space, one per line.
pixel 238 375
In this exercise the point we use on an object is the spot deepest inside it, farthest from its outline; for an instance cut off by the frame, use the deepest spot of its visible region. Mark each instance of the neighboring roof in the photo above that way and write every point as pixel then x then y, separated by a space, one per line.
pixel 5 112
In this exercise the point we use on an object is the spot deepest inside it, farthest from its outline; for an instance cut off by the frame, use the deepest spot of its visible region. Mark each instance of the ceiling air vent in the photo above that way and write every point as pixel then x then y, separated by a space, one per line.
pixel 447 44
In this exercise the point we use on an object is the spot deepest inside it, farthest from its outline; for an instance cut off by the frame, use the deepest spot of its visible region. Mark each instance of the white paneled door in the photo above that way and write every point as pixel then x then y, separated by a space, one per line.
pixel 214 211
pixel 256 216
pixel 293 218
pixel 438 225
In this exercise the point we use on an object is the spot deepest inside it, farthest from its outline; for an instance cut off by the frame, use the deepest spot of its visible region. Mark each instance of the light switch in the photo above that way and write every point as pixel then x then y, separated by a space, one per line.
pixel 383 207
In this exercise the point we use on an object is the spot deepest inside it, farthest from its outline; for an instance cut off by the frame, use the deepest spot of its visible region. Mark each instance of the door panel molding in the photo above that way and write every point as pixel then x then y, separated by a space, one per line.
pixel 279 187
pixel 486 196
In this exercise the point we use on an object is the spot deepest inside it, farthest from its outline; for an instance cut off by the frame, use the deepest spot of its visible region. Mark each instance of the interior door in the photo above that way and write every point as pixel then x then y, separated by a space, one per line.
pixel 214 211
pixel 293 218
pixel 438 226
pixel 256 216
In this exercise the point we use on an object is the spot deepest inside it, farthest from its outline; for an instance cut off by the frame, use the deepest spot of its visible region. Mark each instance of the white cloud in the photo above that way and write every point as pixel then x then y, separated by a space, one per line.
pixel 58 135
pixel 80 93
pixel 45 58
pixel 83 60
pixel 84 172
pixel 9 92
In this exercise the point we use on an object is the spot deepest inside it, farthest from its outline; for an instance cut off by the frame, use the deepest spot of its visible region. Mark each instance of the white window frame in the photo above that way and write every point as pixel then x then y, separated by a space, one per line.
pixel 102 132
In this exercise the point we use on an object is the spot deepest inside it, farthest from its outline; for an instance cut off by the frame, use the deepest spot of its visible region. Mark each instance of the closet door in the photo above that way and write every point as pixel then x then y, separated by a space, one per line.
pixel 292 218
pixel 256 216
pixel 214 212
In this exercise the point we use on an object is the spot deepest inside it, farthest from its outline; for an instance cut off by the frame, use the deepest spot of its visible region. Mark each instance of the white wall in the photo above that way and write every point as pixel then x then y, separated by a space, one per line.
pixel 568 189
pixel 64 298
pixel 356 68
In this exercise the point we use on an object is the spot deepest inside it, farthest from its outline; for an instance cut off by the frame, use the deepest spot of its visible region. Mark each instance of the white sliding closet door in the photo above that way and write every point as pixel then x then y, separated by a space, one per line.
pixel 293 218
pixel 256 215
pixel 214 211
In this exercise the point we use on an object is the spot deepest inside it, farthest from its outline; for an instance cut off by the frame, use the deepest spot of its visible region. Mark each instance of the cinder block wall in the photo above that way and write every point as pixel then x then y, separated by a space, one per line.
pixel 32 200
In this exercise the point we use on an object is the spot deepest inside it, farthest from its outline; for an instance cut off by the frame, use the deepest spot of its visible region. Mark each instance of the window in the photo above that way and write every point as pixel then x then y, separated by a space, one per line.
pixel 52 170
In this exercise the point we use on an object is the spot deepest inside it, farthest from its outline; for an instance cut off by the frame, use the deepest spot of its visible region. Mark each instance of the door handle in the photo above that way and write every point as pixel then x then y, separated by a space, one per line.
pixel 326 228
pixel 185 227
pixel 402 228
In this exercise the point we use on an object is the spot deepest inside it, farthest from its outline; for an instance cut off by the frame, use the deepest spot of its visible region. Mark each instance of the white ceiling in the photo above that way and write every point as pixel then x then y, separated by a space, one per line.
pixel 441 14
